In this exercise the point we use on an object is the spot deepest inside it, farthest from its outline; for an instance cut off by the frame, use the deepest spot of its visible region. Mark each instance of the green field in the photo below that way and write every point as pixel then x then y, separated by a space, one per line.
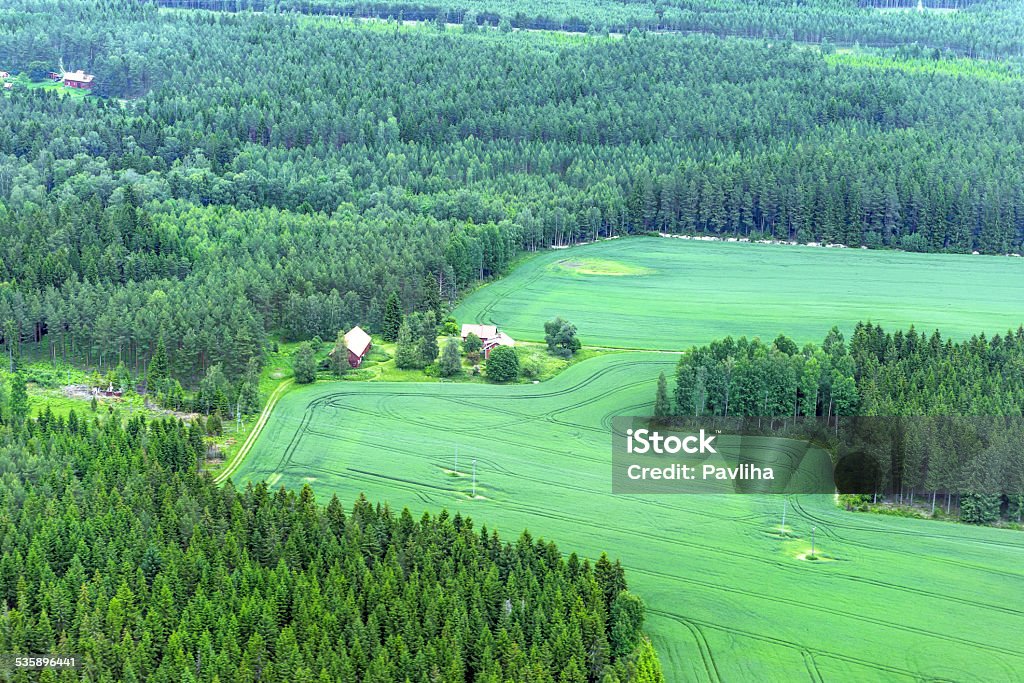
pixel 651 293
pixel 728 599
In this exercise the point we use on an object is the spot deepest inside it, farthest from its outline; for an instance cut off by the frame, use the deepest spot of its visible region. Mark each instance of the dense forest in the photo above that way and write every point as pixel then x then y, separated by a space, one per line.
pixel 979 28
pixel 239 177
pixel 877 373
pixel 115 549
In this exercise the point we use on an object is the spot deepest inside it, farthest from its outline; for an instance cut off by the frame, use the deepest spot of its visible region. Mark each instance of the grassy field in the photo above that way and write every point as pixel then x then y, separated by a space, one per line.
pixel 652 293
pixel 728 597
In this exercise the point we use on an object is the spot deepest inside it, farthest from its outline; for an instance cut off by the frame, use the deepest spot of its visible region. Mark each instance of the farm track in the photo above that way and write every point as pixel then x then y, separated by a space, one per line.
pixel 751 520
pixel 500 423
pixel 240 454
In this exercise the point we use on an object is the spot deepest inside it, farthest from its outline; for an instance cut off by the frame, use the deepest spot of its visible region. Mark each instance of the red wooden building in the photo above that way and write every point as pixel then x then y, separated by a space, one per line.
pixel 490 337
pixel 78 79
pixel 358 344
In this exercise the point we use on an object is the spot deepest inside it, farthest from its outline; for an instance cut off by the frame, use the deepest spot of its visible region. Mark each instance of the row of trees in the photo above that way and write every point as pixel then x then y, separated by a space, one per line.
pixel 917 377
pixel 117 550
pixel 229 204
pixel 985 28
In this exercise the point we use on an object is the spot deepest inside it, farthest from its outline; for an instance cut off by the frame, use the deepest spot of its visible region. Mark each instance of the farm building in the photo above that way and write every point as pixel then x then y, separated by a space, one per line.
pixel 78 79
pixel 358 344
pixel 490 336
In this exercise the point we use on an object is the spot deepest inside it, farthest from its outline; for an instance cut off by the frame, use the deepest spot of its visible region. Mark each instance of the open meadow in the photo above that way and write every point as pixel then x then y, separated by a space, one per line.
pixel 669 294
pixel 728 598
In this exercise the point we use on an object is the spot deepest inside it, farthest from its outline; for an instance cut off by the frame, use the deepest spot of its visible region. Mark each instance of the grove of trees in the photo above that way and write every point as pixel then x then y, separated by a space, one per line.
pixel 118 550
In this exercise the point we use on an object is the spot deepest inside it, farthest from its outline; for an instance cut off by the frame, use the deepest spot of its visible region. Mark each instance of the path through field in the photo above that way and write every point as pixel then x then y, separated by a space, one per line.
pixel 727 598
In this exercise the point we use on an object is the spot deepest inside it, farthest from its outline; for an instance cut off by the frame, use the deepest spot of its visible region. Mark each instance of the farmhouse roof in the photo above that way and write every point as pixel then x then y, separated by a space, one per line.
pixel 482 331
pixel 501 339
pixel 78 76
pixel 357 341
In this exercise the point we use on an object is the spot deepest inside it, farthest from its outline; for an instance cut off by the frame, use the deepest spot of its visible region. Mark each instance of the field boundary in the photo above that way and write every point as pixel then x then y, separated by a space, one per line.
pixel 239 456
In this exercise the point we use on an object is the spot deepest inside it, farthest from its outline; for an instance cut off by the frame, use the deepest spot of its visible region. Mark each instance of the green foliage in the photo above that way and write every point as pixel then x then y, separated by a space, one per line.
pixel 304 364
pixel 214 426
pixel 407 355
pixel 662 405
pixel 401 587
pixel 626 620
pixel 556 436
pixel 472 344
pixel 979 508
pixel 451 361
pixel 560 336
pixel 339 359
pixel 17 400
pixel 503 364
pixel 392 318
pixel 427 347
pixel 158 365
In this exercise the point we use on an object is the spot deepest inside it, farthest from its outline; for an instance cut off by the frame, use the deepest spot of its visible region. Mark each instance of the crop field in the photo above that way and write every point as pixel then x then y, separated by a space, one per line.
pixel 728 597
pixel 669 294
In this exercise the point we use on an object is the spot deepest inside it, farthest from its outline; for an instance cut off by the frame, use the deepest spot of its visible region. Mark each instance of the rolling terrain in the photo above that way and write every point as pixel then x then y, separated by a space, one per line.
pixel 669 294
pixel 727 597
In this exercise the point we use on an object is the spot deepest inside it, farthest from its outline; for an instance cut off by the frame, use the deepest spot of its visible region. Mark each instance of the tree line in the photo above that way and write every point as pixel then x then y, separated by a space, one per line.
pixel 989 28
pixel 115 548
pixel 925 380
pixel 218 202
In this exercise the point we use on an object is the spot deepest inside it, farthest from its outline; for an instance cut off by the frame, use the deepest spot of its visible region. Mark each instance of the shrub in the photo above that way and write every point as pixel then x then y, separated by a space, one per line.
pixel 503 364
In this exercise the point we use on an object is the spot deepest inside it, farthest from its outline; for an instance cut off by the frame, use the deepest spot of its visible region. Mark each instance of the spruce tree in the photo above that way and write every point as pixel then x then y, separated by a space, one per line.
pixel 428 339
pixel 158 366
pixel 392 317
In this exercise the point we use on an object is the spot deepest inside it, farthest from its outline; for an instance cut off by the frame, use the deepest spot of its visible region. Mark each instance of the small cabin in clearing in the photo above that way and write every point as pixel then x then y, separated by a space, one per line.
pixel 78 79
pixel 490 337
pixel 358 344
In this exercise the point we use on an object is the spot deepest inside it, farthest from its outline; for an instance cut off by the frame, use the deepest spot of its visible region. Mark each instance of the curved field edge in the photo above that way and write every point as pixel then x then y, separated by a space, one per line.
pixel 238 457
pixel 674 293
pixel 728 598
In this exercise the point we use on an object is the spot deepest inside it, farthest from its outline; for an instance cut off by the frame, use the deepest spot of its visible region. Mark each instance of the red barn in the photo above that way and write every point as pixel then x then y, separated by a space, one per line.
pixel 78 79
pixel 358 344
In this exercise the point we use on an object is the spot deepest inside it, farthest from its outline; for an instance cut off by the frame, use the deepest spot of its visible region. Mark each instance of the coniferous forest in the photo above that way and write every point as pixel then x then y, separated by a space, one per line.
pixel 245 174
pixel 239 175
pixel 115 549
pixel 906 374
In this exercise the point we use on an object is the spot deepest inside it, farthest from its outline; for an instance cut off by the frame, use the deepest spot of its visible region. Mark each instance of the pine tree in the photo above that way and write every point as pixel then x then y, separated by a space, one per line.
pixel 392 318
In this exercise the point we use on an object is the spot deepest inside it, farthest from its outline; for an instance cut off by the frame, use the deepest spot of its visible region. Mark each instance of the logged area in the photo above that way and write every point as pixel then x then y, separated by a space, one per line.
pixel 735 601
pixel 669 294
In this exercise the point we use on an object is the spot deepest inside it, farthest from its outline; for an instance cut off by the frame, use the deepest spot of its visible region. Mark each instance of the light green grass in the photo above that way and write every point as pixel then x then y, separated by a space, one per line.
pixel 694 292
pixel 728 599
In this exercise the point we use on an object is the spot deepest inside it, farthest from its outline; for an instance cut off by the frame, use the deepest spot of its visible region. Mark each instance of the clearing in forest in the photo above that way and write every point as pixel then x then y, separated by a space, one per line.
pixel 669 294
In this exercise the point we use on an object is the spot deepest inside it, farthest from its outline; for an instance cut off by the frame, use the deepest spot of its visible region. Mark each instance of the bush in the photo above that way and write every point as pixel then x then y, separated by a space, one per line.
pixel 304 365
pixel 503 365
pixel 531 367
